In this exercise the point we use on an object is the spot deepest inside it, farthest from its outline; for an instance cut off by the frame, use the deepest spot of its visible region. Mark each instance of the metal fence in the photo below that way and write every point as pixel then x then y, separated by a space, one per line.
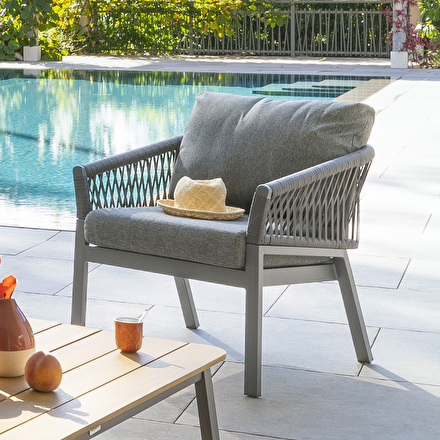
pixel 287 28
pixel 351 33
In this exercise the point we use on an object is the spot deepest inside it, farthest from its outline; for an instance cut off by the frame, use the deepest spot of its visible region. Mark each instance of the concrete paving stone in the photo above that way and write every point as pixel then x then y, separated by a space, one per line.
pixel 420 247
pixel 170 409
pixel 383 243
pixel 60 246
pixel 433 225
pixel 386 146
pixel 387 96
pixel 310 345
pixel 14 241
pixel 400 309
pixel 408 356
pixel 393 137
pixel 39 275
pixel 422 276
pixel 413 172
pixel 378 271
pixel 391 308
pixel 404 196
pixel 224 330
pixel 396 221
pixel 218 297
pixel 418 94
pixel 376 170
pixel 128 285
pixel 430 243
pixel 313 302
pixel 294 343
pixel 49 307
pixel 136 429
pixel 316 406
pixel 415 151
pixel 101 314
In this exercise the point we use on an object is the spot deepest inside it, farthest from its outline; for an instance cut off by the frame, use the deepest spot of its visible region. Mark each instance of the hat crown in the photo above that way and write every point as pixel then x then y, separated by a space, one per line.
pixel 201 195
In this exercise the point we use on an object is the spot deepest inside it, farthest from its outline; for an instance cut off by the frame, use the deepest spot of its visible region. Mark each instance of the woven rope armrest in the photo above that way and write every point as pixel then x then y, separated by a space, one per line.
pixel 316 207
pixel 134 178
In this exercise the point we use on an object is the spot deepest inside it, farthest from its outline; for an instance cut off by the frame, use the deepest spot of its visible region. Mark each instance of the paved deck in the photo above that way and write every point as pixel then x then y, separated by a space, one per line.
pixel 312 386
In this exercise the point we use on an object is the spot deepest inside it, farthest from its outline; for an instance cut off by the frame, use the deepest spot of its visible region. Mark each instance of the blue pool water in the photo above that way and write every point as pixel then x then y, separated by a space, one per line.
pixel 57 119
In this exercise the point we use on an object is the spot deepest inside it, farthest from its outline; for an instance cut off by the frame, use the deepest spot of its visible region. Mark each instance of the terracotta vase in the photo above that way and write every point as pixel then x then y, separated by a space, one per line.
pixel 17 341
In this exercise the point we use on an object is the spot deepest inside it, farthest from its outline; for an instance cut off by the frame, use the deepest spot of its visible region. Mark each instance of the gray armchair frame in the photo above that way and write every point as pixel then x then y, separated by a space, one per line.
pixel 314 212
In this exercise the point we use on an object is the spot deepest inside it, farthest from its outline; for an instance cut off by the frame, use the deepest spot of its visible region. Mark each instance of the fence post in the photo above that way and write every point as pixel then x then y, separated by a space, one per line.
pixel 191 28
pixel 399 55
pixel 191 35
pixel 292 28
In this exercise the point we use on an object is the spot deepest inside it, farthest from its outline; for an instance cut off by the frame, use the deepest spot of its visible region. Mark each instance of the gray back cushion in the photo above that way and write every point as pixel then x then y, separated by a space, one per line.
pixel 252 140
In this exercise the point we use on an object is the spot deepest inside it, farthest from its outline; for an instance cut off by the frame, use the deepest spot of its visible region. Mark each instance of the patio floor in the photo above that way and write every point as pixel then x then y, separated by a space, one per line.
pixel 313 388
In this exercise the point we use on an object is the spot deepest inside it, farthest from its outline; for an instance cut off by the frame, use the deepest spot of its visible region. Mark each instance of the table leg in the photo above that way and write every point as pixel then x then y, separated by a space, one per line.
pixel 206 407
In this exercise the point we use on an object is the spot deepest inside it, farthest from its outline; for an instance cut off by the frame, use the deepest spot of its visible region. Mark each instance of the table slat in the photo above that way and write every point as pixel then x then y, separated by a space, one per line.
pixel 61 335
pixel 92 346
pixel 82 380
pixel 39 325
pixel 127 392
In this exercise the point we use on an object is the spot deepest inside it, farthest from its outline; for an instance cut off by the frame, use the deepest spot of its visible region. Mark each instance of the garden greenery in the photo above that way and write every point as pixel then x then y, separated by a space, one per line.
pixel 429 28
pixel 53 24
pixel 422 42
pixel 64 27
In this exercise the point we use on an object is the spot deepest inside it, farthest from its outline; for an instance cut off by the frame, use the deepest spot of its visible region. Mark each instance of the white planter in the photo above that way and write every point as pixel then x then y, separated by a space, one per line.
pixel 32 53
pixel 399 60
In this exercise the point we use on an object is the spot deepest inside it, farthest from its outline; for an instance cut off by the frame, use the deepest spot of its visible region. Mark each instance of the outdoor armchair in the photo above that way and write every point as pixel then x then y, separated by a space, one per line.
pixel 295 167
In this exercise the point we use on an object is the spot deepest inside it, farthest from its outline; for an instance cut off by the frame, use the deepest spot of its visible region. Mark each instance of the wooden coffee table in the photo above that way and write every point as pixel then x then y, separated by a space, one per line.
pixel 102 387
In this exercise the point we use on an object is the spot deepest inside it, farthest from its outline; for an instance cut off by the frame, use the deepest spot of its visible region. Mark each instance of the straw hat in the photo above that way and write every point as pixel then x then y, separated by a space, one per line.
pixel 204 199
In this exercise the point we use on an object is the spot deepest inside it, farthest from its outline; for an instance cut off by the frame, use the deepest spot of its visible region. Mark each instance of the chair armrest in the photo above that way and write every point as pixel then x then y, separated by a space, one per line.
pixel 134 178
pixel 316 207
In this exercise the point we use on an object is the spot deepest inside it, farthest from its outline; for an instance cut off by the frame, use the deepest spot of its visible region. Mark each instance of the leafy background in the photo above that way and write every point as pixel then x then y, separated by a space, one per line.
pixel 63 27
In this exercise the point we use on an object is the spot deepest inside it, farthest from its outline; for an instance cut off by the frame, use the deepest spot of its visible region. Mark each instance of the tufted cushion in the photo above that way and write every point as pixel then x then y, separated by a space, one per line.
pixel 252 140
pixel 153 232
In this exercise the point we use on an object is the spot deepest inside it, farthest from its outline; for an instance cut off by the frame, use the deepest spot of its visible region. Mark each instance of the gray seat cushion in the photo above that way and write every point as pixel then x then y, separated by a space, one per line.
pixel 151 231
pixel 252 140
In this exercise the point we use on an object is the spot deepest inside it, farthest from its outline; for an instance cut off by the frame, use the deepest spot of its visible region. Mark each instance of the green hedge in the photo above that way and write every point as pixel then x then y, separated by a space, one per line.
pixel 135 26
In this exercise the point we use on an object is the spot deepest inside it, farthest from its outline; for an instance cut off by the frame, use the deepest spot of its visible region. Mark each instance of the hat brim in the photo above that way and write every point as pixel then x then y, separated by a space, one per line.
pixel 230 213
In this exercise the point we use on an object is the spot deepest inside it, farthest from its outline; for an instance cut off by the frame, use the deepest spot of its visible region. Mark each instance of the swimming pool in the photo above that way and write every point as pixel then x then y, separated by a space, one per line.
pixel 55 119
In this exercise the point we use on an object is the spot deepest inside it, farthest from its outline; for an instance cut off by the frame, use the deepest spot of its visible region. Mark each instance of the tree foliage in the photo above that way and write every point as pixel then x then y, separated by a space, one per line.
pixel 63 27
pixel 53 24
pixel 22 22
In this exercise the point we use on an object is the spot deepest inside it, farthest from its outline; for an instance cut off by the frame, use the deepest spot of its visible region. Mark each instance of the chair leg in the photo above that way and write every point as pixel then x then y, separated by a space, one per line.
pixel 187 302
pixel 80 276
pixel 353 309
pixel 253 326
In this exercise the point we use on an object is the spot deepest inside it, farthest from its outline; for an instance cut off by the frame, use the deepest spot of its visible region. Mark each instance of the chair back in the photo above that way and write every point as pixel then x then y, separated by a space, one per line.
pixel 252 140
